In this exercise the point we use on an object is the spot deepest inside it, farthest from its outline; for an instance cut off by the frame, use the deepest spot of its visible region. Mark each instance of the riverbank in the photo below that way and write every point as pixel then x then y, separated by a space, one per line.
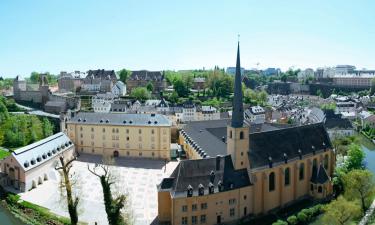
pixel 24 212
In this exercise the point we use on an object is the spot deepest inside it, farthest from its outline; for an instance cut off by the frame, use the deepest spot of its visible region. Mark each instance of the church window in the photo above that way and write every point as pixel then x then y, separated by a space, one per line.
pixel 287 177
pixel 271 181
pixel 301 171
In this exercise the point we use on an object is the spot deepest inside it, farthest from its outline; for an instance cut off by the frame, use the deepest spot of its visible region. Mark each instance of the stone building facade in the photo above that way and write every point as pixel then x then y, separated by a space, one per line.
pixel 142 77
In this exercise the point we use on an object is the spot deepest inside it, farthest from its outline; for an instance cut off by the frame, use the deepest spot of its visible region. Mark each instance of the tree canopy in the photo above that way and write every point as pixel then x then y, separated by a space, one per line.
pixel 340 211
pixel 124 74
pixel 140 93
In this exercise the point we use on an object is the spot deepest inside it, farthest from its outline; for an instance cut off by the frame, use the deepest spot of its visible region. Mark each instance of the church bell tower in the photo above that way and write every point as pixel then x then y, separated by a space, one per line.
pixel 237 133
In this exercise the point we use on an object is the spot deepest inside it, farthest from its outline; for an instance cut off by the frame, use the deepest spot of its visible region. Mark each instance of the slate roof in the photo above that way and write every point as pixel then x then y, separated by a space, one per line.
pixel 266 140
pixel 101 74
pixel 341 123
pixel 146 75
pixel 122 119
pixel 319 175
pixel 196 172
pixel 41 151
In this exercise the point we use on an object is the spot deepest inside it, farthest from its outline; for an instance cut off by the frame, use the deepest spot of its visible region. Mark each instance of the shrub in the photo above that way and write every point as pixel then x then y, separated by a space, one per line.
pixel 292 220
pixel 302 218
pixel 280 222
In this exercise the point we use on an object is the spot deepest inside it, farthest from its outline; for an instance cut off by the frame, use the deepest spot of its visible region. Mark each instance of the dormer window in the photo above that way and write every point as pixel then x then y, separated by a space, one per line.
pixel 285 156
pixel 39 159
pixel 200 189
pixel 32 161
pixel 189 191
pixel 211 188
pixel 220 185
pixel 26 164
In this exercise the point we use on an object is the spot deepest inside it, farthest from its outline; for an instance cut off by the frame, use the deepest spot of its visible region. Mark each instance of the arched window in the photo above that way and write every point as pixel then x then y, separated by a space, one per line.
pixel 326 162
pixel 230 134
pixel 301 171
pixel 271 181
pixel 315 163
pixel 241 135
pixel 287 176
pixel 320 189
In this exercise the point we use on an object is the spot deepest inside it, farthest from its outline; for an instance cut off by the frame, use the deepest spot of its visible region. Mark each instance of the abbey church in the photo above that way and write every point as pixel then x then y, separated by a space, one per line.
pixel 236 171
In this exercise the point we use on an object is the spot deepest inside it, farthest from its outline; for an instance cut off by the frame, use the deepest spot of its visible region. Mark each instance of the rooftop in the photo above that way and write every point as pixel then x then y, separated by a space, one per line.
pixel 37 153
pixel 122 119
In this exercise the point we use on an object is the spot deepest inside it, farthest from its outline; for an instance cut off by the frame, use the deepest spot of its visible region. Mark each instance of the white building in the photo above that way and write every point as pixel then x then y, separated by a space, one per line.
pixel 347 107
pixel 304 74
pixel 255 114
pixel 119 89
pixel 162 107
pixel 208 113
pixel 30 166
pixel 355 79
pixel 189 111
pixel 103 102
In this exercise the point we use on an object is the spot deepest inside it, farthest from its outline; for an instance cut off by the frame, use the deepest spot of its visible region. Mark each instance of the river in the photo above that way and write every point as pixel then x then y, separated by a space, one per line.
pixel 6 218
pixel 369 148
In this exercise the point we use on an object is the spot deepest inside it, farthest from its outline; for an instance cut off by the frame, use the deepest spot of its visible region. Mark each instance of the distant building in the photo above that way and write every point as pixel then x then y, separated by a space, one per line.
pixel 344 69
pixel 355 79
pixel 199 83
pixel 70 82
pixel 337 126
pixel 271 71
pixel 348 106
pixel 102 102
pixel 232 70
pixel 207 113
pixel 305 74
pixel 119 89
pixel 142 77
pixel 99 81
pixel 255 114
pixel 30 166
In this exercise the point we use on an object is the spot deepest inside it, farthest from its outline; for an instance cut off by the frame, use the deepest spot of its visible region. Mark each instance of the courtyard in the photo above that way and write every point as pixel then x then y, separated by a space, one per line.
pixel 136 177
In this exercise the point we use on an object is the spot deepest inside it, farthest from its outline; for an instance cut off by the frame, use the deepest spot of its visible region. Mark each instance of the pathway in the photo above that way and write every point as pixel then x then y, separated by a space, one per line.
pixel 369 212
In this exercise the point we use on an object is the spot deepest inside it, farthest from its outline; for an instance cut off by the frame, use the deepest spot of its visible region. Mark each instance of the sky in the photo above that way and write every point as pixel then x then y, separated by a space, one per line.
pixel 68 35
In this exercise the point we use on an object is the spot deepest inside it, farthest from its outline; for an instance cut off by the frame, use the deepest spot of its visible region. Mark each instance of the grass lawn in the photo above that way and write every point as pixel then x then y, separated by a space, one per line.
pixel 3 153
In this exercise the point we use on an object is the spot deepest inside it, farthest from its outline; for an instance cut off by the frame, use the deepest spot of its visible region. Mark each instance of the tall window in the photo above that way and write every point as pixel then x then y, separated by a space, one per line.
pixel 287 176
pixel 326 162
pixel 315 164
pixel 301 171
pixel 241 135
pixel 230 134
pixel 271 181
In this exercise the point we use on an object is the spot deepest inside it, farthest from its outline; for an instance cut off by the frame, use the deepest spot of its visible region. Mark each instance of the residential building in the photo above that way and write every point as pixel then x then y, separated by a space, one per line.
pixel 347 106
pixel 99 81
pixel 70 82
pixel 344 69
pixel 120 134
pixel 103 102
pixel 142 77
pixel 120 105
pixel 207 113
pixel 28 167
pixel 305 74
pixel 189 111
pixel 199 83
pixel 255 114
pixel 119 89
pixel 233 173
pixel 337 126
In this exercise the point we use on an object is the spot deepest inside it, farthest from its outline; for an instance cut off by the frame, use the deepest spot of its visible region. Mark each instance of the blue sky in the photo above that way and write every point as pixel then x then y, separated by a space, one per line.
pixel 56 35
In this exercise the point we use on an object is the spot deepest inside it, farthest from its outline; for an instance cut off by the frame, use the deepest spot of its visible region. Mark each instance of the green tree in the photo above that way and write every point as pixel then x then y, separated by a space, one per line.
pixel 340 211
pixel 280 222
pixel 4 114
pixel 372 89
pixel 140 93
pixel 181 88
pixel 150 87
pixel 355 158
pixel 173 97
pixel 319 93
pixel 34 77
pixel 47 127
pixel 124 74
pixel 284 78
pixel 359 184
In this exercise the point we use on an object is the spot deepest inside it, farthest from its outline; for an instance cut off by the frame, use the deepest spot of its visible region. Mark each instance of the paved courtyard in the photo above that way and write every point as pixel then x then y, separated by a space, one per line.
pixel 136 177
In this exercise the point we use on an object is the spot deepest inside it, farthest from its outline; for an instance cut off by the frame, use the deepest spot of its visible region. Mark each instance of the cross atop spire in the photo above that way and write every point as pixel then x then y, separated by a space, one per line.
pixel 237 115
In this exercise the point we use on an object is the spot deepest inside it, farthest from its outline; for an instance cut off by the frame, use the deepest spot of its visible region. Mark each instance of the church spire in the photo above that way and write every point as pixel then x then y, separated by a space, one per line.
pixel 237 115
